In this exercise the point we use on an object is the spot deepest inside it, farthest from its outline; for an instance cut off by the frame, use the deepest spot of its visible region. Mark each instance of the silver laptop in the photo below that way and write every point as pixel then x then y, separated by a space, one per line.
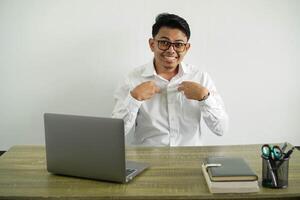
pixel 88 147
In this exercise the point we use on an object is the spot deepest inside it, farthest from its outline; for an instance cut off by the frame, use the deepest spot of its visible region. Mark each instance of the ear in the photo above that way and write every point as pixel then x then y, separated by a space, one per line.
pixel 188 45
pixel 151 44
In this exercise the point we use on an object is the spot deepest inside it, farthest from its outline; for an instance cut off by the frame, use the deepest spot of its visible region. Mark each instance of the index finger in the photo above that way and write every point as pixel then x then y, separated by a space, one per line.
pixel 180 86
pixel 157 89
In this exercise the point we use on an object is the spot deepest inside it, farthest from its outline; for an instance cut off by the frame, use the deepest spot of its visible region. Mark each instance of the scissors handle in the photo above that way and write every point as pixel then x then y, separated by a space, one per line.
pixel 266 150
pixel 272 152
pixel 277 152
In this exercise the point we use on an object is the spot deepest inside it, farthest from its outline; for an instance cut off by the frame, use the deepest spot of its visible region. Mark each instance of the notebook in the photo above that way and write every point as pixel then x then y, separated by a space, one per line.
pixel 88 147
pixel 230 169
pixel 229 186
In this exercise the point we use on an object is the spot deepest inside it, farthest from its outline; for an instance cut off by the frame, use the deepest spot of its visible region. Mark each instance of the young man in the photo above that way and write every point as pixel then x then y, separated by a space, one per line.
pixel 164 101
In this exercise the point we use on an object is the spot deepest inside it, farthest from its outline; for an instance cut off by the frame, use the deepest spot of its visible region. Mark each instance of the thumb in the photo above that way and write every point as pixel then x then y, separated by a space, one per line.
pixel 180 87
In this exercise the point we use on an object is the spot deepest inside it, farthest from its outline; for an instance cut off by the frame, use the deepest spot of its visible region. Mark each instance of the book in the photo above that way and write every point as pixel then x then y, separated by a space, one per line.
pixel 229 186
pixel 230 169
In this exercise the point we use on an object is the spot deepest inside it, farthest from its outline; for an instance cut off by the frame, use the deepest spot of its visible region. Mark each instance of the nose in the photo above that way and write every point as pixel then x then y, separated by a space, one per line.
pixel 171 48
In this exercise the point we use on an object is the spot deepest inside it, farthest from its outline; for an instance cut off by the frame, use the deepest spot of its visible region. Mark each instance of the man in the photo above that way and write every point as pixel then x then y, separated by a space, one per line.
pixel 164 101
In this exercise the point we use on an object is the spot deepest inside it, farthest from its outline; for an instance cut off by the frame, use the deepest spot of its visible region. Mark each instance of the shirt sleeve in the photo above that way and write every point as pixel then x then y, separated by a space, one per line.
pixel 213 109
pixel 126 107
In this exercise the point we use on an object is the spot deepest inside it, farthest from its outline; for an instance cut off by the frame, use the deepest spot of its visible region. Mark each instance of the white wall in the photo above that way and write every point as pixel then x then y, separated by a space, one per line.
pixel 68 57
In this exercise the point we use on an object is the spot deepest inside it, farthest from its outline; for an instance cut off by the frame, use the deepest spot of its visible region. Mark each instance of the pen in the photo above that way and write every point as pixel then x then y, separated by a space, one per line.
pixel 288 154
pixel 284 147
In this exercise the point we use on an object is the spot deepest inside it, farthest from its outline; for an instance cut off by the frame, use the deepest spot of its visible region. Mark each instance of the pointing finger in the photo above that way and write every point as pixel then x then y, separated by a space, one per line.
pixel 180 87
pixel 157 89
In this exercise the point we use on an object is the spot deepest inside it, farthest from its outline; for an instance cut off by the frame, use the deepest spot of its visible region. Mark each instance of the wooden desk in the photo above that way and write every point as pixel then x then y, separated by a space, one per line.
pixel 175 173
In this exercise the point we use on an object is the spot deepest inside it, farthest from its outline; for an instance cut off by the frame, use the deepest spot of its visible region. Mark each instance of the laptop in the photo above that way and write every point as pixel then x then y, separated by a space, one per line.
pixel 88 147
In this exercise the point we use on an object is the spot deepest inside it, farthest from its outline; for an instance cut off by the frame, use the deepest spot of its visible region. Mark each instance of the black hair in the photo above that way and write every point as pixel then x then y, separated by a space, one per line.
pixel 170 21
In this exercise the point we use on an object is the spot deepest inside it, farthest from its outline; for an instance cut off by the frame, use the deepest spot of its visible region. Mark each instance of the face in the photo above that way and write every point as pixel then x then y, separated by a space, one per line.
pixel 169 59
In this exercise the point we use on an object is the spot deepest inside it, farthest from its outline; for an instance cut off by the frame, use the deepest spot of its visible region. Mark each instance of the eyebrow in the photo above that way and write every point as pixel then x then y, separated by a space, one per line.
pixel 170 40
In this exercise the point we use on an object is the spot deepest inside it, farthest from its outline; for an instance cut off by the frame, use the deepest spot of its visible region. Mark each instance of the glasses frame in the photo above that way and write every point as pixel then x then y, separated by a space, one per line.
pixel 171 44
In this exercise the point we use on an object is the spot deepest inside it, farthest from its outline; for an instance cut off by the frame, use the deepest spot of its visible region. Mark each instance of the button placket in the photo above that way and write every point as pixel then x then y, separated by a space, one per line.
pixel 173 121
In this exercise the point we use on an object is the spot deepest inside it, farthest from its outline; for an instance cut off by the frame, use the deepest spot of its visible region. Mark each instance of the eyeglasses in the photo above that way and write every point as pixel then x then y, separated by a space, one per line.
pixel 165 45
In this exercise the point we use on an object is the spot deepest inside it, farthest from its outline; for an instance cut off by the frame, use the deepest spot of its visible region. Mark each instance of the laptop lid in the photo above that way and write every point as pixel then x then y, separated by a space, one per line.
pixel 89 147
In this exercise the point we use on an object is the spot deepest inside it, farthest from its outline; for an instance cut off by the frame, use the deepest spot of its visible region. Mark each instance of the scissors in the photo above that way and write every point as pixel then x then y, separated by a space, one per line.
pixel 271 152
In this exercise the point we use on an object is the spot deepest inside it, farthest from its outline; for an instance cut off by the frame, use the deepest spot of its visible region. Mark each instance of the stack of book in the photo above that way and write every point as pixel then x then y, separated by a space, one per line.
pixel 229 175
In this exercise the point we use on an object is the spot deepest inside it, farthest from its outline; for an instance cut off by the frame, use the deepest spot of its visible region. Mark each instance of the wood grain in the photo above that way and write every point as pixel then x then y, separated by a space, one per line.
pixel 175 173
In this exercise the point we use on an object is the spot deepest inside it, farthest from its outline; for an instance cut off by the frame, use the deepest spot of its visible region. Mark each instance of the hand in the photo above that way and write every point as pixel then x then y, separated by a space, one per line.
pixel 193 90
pixel 145 91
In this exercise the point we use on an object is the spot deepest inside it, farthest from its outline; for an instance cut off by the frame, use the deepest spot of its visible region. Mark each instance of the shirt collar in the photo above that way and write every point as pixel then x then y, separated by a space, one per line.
pixel 149 70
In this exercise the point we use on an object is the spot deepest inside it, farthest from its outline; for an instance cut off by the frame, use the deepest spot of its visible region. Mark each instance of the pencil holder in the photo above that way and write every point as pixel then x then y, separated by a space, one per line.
pixel 275 173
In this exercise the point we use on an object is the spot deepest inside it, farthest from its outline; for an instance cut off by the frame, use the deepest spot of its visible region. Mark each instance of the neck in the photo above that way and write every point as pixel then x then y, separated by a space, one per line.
pixel 166 72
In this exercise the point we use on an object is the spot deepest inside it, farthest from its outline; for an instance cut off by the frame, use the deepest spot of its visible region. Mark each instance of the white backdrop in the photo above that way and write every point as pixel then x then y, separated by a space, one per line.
pixel 68 56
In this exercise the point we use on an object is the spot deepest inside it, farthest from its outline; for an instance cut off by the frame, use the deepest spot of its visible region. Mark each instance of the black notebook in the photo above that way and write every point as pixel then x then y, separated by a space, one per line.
pixel 231 169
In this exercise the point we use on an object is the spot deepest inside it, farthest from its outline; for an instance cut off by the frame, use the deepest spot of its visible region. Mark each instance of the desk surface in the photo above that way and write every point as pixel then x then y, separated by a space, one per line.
pixel 175 173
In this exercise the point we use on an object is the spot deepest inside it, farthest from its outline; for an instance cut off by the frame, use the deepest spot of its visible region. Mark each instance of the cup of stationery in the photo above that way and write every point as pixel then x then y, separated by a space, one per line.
pixel 275 175
pixel 275 166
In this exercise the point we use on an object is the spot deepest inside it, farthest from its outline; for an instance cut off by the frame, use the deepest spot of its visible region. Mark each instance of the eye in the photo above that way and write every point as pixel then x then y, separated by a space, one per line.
pixel 165 43
pixel 179 45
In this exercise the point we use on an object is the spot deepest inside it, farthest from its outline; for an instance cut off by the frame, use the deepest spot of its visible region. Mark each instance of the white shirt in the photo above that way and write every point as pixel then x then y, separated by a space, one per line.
pixel 169 118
